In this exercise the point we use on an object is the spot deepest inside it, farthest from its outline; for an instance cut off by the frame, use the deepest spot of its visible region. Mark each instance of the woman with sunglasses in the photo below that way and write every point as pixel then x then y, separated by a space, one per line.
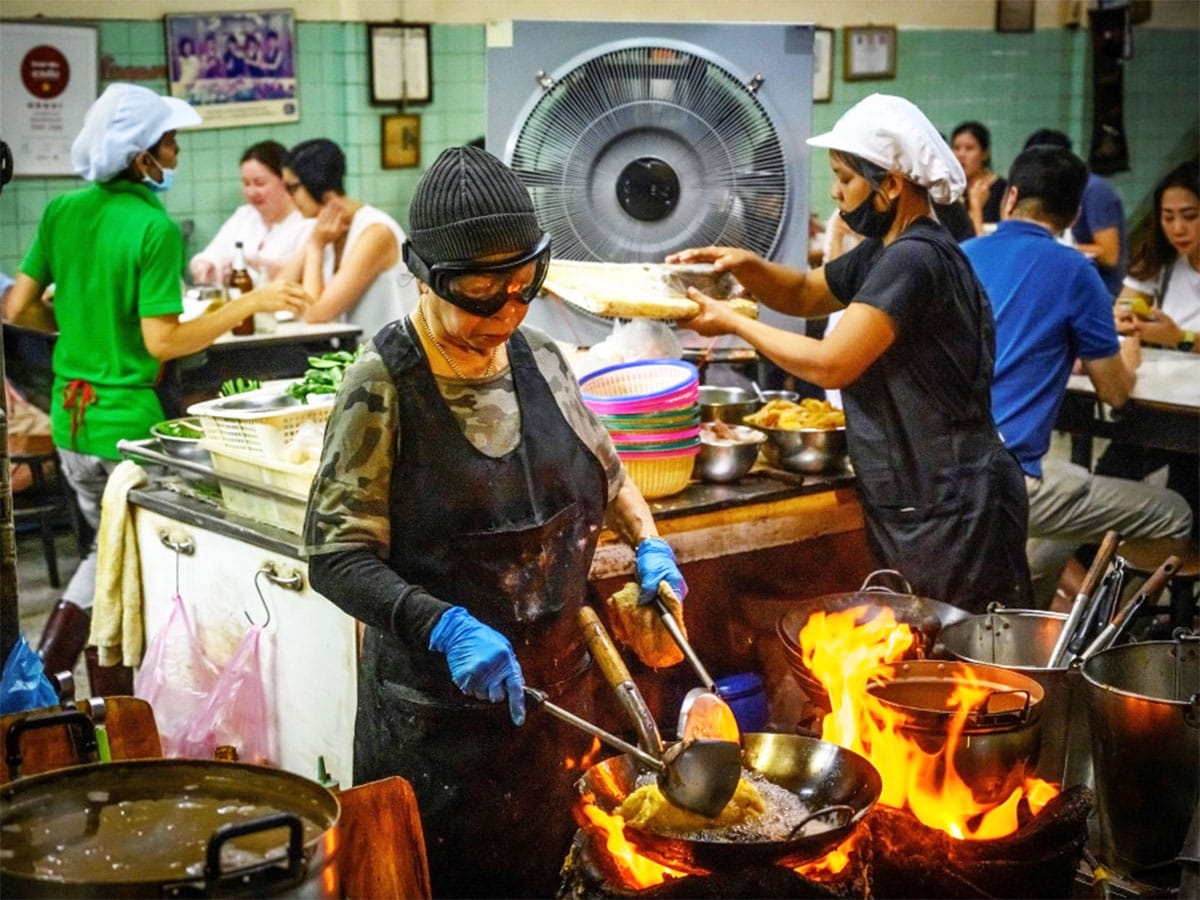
pixel 455 512
pixel 350 263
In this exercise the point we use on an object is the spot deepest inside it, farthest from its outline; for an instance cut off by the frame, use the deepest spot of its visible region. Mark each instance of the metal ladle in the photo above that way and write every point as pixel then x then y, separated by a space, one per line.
pixel 700 775
pixel 703 712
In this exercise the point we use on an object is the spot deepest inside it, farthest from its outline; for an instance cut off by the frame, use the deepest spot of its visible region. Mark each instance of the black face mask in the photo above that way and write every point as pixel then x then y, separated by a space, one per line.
pixel 867 220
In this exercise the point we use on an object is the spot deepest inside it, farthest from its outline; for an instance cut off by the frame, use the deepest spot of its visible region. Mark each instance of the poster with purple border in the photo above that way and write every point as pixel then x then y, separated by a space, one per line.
pixel 235 68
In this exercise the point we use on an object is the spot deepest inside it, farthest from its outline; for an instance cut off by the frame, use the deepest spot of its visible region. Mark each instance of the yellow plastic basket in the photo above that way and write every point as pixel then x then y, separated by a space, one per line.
pixel 290 485
pixel 660 477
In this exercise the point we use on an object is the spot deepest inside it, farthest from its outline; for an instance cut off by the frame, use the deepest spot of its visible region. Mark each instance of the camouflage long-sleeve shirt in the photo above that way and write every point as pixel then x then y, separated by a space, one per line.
pixel 347 535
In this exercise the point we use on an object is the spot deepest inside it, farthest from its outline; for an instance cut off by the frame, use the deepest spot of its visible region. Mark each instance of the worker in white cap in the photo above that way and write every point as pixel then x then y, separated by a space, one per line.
pixel 944 501
pixel 115 257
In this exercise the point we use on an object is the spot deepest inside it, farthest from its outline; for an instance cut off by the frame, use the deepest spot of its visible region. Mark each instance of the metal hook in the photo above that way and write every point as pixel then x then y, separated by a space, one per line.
pixel 261 598
pixel 179 547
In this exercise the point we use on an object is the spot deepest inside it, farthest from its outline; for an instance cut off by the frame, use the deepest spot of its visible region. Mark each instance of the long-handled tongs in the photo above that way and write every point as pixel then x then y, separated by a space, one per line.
pixel 1083 603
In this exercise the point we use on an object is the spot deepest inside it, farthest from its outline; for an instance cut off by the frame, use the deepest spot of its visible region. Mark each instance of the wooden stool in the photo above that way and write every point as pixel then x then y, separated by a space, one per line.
pixel 1144 555
pixel 128 721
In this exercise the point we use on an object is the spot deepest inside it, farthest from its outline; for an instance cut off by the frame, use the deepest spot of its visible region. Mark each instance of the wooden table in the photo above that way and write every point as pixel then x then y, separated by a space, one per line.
pixel 1163 412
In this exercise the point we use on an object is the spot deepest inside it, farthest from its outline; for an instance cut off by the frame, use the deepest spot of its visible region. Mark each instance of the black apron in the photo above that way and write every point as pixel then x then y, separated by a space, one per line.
pixel 511 540
pixel 943 498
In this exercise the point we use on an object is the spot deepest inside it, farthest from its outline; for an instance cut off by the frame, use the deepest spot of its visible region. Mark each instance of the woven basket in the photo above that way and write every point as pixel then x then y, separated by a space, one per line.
pixel 661 477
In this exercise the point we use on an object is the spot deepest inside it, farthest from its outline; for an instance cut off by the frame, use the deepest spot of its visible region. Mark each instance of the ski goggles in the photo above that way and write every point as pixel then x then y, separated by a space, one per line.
pixel 483 289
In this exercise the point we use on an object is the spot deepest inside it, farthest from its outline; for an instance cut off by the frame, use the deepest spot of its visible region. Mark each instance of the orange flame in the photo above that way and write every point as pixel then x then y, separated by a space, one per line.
pixel 633 869
pixel 585 762
pixel 840 649
pixel 832 863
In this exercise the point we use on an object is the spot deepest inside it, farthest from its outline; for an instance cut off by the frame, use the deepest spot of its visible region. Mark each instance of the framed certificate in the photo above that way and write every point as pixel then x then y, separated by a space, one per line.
pixel 822 65
pixel 870 52
pixel 401 71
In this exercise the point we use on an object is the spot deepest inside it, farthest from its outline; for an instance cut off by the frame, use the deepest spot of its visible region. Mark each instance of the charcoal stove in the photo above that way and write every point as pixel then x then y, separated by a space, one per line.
pixel 890 854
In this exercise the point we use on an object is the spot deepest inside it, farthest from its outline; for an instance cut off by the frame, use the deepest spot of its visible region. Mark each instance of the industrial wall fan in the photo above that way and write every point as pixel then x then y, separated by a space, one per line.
pixel 638 139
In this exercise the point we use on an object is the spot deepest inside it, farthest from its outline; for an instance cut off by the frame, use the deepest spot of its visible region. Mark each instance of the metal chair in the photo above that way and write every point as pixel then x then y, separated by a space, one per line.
pixel 48 503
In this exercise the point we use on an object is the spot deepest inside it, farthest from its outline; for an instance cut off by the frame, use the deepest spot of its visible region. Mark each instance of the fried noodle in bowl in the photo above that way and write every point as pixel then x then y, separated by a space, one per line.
pixel 789 416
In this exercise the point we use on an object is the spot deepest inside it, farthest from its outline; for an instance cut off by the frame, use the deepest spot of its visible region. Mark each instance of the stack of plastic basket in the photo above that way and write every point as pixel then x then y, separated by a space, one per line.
pixel 651 409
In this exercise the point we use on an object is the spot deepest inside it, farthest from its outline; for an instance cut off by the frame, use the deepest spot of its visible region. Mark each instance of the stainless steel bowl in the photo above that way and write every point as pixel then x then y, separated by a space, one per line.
pixel 727 460
pixel 790 396
pixel 257 402
pixel 808 450
pixel 726 404
pixel 184 448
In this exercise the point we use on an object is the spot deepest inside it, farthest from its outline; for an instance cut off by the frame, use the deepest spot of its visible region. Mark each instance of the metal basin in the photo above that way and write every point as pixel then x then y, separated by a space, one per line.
pixel 727 460
pixel 726 404
pixel 808 450
pixel 184 448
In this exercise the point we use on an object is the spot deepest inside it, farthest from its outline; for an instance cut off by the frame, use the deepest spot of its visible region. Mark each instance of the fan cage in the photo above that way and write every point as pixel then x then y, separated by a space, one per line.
pixel 688 114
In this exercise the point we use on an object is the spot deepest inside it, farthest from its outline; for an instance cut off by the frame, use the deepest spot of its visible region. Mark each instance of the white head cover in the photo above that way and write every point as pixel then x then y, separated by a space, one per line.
pixel 125 120
pixel 891 132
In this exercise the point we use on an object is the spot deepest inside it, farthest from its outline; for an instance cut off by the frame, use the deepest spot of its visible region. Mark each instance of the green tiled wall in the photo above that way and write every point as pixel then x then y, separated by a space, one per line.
pixel 1014 83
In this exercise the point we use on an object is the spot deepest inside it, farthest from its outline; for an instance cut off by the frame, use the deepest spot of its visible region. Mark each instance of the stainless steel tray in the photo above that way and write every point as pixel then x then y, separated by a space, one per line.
pixel 149 451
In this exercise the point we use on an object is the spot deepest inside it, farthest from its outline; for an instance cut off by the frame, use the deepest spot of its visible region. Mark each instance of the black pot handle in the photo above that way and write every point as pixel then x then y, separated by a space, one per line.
pixel 80 728
pixel 269 873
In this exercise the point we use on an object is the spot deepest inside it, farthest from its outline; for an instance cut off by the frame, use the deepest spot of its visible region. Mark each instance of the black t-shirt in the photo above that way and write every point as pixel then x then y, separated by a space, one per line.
pixel 937 373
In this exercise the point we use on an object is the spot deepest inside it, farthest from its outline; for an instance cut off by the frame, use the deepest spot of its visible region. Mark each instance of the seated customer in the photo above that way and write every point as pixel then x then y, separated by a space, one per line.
pixel 1099 230
pixel 1051 306
pixel 1165 274
pixel 269 226
pixel 351 262
pixel 972 144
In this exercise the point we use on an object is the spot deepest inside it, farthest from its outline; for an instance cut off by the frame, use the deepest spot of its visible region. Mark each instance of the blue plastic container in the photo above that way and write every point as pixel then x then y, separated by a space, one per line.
pixel 747 698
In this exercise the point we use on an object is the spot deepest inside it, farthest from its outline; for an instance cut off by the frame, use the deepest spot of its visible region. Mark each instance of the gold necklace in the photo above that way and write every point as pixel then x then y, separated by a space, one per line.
pixel 491 363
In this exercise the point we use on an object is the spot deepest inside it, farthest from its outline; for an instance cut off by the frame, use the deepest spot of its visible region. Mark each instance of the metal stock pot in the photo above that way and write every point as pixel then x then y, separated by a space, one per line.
pixel 165 827
pixel 1001 735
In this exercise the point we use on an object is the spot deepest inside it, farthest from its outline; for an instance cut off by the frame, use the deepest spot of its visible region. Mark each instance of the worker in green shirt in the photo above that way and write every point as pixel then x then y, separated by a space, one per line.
pixel 115 258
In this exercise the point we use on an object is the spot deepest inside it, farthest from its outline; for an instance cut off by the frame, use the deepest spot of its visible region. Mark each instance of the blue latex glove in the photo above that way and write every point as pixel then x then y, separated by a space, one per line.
pixel 655 563
pixel 482 662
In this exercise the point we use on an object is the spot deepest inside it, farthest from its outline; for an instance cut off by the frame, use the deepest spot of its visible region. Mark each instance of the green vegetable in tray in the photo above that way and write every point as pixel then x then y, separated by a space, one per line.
pixel 239 386
pixel 324 373
pixel 178 428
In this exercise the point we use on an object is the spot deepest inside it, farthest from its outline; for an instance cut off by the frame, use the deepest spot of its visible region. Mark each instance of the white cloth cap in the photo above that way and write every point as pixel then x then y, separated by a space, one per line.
pixel 125 120
pixel 893 133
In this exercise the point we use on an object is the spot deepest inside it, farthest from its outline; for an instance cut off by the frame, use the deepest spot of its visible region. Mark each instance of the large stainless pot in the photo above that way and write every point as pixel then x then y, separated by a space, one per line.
pixel 999 742
pixel 165 827
pixel 823 775
pixel 1143 704
pixel 1022 640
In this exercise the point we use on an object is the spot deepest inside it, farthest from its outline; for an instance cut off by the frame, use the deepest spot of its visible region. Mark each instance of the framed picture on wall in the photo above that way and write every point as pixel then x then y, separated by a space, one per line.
pixel 822 65
pixel 870 52
pixel 401 142
pixel 235 68
pixel 401 70
pixel 1014 15
pixel 48 79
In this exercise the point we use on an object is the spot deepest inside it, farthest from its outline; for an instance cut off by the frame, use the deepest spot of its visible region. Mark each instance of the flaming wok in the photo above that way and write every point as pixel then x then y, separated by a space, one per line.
pixel 823 775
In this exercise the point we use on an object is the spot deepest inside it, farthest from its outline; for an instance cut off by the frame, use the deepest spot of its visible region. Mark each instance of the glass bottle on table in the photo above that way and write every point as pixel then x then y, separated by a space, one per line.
pixel 241 283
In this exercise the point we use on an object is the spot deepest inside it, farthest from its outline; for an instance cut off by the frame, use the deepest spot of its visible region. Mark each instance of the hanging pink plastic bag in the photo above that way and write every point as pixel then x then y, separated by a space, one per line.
pixel 236 713
pixel 176 678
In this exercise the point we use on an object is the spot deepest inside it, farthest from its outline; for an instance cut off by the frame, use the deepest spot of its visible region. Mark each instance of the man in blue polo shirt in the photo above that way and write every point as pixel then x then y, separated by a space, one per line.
pixel 1050 308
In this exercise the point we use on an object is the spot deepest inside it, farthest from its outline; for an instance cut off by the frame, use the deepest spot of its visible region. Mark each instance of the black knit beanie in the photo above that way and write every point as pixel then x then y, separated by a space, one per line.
pixel 468 205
